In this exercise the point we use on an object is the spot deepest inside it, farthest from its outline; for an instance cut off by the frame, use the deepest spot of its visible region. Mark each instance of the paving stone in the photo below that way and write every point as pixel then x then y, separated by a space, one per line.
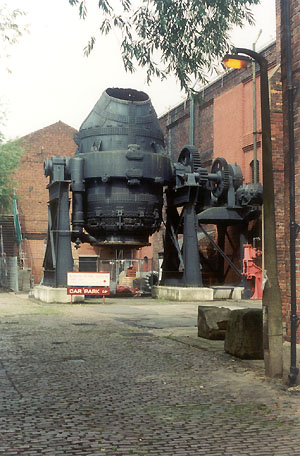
pixel 147 396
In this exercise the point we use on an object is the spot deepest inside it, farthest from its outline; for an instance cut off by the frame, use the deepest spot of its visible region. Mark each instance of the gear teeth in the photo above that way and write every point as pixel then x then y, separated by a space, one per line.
pixel 203 176
pixel 226 178
pixel 220 165
pixel 189 156
pixel 196 161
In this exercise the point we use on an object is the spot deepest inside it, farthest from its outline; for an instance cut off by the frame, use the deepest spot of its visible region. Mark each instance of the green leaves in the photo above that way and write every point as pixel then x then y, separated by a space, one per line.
pixel 10 154
pixel 11 29
pixel 181 37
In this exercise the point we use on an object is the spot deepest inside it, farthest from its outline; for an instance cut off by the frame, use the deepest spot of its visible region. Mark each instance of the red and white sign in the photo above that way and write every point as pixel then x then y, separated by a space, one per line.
pixel 97 291
pixel 88 279
pixel 88 283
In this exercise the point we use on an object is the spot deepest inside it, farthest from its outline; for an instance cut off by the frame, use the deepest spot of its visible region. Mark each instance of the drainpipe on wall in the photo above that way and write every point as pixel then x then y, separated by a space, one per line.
pixel 294 228
pixel 192 115
pixel 255 173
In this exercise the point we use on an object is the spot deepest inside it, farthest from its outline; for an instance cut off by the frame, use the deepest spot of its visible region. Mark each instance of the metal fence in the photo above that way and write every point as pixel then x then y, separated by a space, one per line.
pixel 127 276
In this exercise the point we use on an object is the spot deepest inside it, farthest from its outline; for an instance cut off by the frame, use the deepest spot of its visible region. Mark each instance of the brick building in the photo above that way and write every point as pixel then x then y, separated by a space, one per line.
pixel 288 37
pixel 223 117
pixel 56 139
pixel 223 127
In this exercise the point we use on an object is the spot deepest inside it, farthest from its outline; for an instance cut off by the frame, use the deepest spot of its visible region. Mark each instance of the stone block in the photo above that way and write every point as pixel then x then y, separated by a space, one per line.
pixel 227 292
pixel 244 335
pixel 212 322
pixel 182 293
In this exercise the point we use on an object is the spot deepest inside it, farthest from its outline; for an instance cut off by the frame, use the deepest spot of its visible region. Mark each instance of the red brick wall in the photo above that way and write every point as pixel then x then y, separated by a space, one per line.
pixel 284 235
pixel 279 183
pixel 223 112
pixel 56 139
pixel 233 126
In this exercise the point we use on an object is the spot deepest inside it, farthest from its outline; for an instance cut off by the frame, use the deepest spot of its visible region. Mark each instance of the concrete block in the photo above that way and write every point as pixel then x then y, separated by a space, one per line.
pixel 212 322
pixel 24 278
pixel 227 292
pixel 57 295
pixel 244 335
pixel 182 293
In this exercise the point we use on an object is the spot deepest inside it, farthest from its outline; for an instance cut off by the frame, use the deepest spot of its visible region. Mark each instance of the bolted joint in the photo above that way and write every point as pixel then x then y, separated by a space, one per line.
pixel 295 319
pixel 294 371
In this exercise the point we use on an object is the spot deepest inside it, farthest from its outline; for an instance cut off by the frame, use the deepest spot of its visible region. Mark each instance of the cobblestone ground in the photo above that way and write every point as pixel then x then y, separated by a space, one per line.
pixel 79 382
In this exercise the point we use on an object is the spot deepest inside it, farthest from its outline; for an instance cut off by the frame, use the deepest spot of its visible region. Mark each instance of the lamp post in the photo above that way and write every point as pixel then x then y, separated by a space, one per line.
pixel 272 333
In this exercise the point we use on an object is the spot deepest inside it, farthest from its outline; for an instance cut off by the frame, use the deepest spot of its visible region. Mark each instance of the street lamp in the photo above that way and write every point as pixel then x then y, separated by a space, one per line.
pixel 272 335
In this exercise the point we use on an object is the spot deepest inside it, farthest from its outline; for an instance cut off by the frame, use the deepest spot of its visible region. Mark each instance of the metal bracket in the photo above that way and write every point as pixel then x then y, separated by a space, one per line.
pixel 297 229
pixel 295 319
pixel 294 90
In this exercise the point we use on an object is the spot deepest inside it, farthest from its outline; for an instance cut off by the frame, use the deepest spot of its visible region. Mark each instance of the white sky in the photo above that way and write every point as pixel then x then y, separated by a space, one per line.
pixel 51 80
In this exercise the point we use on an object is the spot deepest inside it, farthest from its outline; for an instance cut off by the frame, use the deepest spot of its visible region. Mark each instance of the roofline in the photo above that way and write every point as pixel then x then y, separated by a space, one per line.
pixel 47 126
pixel 214 81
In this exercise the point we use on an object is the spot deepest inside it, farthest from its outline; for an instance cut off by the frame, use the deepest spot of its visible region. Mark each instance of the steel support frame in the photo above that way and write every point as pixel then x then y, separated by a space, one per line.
pixel 58 256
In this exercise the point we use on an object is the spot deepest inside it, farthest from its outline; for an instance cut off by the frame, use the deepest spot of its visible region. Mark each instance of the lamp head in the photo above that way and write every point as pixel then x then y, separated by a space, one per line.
pixel 236 61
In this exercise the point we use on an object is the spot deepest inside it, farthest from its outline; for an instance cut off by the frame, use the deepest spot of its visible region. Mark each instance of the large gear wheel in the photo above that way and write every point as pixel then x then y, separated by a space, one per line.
pixel 151 279
pixel 221 168
pixel 189 156
pixel 237 176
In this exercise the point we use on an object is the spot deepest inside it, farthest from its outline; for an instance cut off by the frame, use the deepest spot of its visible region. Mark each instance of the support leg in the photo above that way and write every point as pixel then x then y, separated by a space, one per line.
pixel 191 257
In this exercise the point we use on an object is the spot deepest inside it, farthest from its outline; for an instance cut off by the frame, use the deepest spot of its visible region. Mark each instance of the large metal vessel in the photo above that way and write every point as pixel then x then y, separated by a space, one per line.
pixel 119 170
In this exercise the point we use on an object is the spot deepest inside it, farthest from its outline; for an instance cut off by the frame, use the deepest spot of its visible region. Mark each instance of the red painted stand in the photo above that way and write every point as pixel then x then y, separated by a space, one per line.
pixel 250 269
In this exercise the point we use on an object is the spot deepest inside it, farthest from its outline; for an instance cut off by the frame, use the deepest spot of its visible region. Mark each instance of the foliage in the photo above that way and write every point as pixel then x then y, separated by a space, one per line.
pixel 10 153
pixel 11 29
pixel 181 37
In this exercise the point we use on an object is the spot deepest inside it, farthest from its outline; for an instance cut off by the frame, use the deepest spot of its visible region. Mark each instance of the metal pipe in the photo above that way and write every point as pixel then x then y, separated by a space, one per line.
pixel 255 173
pixel 192 116
pixel 293 226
